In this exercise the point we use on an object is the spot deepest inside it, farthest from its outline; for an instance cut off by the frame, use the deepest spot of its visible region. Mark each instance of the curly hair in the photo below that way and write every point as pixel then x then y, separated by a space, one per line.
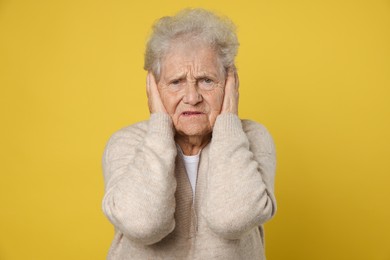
pixel 195 25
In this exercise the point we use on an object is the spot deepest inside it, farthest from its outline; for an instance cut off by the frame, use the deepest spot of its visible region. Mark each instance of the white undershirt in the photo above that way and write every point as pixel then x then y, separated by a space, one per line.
pixel 191 163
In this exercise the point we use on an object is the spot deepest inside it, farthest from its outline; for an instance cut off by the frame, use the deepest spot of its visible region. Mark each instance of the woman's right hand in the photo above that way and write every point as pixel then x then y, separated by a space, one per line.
pixel 154 100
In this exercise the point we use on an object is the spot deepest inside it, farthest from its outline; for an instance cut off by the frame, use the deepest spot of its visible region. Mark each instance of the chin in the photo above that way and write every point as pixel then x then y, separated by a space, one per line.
pixel 195 130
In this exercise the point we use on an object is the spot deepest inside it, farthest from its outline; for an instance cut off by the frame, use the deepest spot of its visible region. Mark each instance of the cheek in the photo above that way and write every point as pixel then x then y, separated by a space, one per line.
pixel 215 100
pixel 170 101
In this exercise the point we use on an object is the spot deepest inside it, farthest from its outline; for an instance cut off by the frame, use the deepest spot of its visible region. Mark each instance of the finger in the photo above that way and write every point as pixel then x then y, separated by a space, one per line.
pixel 148 92
pixel 230 103
pixel 230 81
pixel 237 88
pixel 229 87
pixel 148 84
pixel 237 79
pixel 152 81
pixel 153 85
pixel 155 102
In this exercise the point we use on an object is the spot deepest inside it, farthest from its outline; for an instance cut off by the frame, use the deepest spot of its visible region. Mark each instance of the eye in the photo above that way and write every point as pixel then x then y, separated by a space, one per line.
pixel 175 82
pixel 206 83
pixel 207 80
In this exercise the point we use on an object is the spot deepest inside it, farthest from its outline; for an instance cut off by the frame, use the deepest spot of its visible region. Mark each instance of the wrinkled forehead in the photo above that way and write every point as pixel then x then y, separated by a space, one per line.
pixel 195 54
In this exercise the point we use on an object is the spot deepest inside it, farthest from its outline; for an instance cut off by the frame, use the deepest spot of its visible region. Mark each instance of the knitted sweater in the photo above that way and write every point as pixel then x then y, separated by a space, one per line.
pixel 148 196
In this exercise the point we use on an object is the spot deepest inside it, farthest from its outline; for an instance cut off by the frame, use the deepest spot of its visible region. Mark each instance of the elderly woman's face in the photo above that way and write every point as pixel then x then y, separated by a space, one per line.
pixel 191 87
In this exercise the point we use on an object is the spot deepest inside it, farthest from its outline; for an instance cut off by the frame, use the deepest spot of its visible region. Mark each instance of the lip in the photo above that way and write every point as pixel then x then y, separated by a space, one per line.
pixel 191 113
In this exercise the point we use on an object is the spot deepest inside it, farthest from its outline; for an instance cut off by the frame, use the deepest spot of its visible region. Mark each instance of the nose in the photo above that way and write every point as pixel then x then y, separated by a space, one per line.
pixel 191 95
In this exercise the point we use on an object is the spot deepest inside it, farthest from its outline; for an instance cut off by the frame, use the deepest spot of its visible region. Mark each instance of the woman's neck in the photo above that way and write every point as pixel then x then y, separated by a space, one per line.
pixel 191 145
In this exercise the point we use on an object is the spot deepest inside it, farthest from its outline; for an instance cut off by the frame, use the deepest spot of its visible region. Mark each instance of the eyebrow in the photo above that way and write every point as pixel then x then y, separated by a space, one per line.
pixel 183 75
pixel 176 76
pixel 205 75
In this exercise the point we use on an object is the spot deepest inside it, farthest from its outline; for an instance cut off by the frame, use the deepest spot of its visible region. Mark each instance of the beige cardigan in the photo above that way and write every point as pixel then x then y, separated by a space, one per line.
pixel 148 196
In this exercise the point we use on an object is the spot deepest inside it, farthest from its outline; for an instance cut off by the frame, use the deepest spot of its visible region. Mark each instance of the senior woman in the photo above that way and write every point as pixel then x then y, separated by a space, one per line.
pixel 194 181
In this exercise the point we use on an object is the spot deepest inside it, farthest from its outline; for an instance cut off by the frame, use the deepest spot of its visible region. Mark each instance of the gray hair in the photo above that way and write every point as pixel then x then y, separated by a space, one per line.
pixel 191 25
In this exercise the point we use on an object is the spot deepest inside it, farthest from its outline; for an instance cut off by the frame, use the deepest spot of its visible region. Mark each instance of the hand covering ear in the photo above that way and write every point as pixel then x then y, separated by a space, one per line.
pixel 230 100
pixel 154 100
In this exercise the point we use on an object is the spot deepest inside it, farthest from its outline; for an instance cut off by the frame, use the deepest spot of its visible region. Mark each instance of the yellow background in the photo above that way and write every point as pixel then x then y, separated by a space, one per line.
pixel 316 73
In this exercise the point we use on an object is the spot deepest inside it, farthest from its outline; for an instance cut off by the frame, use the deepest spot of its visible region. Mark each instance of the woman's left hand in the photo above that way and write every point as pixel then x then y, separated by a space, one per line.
pixel 230 100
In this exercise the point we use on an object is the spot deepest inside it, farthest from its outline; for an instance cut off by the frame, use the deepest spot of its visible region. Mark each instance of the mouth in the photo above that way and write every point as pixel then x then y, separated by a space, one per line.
pixel 191 113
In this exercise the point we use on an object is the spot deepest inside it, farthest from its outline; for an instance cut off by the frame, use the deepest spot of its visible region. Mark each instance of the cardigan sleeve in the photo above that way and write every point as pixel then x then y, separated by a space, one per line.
pixel 138 166
pixel 240 181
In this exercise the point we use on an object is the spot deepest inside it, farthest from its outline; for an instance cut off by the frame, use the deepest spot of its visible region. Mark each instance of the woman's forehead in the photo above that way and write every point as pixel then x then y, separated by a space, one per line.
pixel 202 59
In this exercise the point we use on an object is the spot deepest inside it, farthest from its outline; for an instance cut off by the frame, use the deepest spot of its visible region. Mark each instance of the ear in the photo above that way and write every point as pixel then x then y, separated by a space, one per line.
pixel 156 75
pixel 152 79
pixel 231 72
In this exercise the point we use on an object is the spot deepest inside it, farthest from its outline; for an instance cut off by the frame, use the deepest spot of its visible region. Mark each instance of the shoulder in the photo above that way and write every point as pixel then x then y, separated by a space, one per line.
pixel 132 132
pixel 250 126
pixel 129 132
pixel 258 136
pixel 125 138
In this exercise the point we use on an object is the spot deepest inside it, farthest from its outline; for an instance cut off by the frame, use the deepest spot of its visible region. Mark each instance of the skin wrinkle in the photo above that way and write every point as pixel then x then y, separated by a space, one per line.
pixel 185 85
